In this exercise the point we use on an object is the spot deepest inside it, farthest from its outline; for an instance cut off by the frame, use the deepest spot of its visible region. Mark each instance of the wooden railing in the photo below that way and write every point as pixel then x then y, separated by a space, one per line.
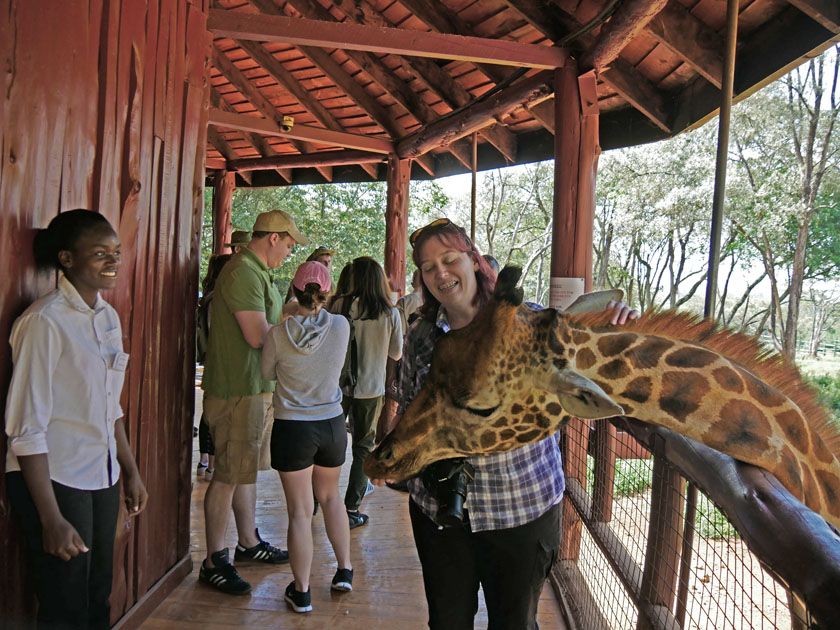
pixel 635 561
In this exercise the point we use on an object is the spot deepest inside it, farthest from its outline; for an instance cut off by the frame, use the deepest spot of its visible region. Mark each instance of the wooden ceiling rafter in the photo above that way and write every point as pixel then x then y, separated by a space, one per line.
pixel 692 40
pixel 228 153
pixel 259 102
pixel 393 41
pixel 826 12
pixel 443 19
pixel 629 19
pixel 621 76
pixel 625 79
pixel 260 145
pixel 345 82
pixel 531 90
pixel 300 133
pixel 639 92
pixel 323 158
pixel 375 68
pixel 433 76
pixel 400 66
pixel 286 79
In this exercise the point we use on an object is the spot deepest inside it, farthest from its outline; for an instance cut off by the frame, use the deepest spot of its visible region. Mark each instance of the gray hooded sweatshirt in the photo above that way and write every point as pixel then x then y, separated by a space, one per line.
pixel 305 355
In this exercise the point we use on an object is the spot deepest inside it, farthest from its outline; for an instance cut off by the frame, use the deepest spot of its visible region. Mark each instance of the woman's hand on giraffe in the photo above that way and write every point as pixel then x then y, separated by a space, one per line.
pixel 621 312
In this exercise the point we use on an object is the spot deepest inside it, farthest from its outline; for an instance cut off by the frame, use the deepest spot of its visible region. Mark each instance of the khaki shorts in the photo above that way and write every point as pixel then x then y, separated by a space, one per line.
pixel 237 426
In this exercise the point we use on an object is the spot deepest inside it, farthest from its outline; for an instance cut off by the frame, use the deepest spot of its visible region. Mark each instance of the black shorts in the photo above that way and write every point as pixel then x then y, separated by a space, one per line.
pixel 298 444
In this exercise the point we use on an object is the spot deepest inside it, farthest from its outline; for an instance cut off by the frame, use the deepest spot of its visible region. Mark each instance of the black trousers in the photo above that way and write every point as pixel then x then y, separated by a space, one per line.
pixel 74 594
pixel 511 565
pixel 205 440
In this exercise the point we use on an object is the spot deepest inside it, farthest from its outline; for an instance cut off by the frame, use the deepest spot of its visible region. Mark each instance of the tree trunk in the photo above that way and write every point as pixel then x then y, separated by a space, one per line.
pixel 796 281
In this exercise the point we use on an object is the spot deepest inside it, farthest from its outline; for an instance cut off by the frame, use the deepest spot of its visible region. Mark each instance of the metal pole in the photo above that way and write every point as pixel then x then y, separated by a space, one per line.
pixel 722 153
pixel 714 264
pixel 472 189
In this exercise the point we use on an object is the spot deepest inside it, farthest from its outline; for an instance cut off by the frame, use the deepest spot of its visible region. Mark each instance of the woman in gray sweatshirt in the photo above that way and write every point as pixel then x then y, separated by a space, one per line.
pixel 304 354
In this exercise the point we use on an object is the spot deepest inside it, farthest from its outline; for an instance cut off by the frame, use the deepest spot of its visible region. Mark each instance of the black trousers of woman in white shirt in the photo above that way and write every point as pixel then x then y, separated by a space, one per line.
pixel 72 594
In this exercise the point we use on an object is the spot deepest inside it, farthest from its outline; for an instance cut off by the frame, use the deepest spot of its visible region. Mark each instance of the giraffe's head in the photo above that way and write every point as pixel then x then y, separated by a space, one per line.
pixel 499 383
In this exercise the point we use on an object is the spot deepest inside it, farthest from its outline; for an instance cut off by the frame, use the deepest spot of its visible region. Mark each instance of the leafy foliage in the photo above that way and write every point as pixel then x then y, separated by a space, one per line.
pixel 348 218
pixel 828 390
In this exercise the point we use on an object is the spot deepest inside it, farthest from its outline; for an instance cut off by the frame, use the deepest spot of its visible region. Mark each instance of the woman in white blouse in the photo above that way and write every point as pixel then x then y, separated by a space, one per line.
pixel 67 444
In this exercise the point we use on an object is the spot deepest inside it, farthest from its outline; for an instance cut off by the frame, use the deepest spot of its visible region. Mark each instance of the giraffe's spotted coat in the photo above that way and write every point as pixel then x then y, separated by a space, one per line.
pixel 639 389
pixel 648 353
pixel 728 379
pixel 666 369
pixel 613 345
pixel 690 357
pixel 682 393
pixel 614 370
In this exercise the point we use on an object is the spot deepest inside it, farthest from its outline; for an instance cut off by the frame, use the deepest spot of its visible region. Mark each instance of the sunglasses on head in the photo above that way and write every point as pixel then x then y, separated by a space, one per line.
pixel 436 223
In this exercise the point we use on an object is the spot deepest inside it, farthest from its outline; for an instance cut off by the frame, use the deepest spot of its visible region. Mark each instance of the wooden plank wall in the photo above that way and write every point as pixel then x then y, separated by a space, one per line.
pixel 104 105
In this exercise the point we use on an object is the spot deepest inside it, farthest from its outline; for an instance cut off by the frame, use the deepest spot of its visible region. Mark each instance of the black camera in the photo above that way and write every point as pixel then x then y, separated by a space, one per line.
pixel 448 480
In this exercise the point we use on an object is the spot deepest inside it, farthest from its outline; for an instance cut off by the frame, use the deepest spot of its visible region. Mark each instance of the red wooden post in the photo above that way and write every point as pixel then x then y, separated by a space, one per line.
pixel 396 222
pixel 575 164
pixel 223 187
pixel 576 153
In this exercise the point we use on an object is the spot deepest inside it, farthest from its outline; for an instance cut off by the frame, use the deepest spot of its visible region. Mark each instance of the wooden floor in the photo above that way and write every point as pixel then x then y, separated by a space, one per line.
pixel 387 587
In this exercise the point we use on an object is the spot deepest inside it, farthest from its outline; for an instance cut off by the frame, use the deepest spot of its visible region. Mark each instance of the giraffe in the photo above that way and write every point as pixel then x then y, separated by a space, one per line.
pixel 515 375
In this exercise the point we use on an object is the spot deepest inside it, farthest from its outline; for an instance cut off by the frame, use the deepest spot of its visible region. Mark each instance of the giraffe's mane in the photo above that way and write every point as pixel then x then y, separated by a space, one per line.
pixel 767 364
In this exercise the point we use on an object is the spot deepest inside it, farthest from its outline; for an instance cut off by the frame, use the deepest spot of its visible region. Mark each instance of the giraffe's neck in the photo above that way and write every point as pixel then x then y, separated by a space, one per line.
pixel 714 400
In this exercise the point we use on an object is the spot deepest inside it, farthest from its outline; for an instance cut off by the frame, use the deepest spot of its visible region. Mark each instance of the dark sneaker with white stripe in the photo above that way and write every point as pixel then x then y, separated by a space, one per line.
pixel 299 602
pixel 261 552
pixel 223 575
pixel 343 580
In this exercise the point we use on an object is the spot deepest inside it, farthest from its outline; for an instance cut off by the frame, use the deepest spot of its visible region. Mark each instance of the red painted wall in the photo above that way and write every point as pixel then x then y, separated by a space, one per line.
pixel 104 105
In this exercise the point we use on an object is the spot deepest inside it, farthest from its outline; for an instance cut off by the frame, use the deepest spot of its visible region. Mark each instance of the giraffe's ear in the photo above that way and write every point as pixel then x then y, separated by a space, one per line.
pixel 506 289
pixel 582 397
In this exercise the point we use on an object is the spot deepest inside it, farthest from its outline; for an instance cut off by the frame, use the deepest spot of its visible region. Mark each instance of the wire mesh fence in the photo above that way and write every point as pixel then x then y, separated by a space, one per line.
pixel 628 559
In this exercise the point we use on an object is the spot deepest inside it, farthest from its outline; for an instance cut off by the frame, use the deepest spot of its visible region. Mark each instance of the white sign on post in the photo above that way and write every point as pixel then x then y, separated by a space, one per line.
pixel 564 291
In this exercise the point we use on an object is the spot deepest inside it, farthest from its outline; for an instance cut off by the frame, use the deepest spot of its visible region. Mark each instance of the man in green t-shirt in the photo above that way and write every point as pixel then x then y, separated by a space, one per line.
pixel 237 399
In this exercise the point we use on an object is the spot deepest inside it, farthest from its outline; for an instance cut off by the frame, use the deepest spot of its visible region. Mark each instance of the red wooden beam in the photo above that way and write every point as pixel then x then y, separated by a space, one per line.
pixel 300 132
pixel 527 92
pixel 629 19
pixel 215 164
pixel 305 32
pixel 307 160
pixel 396 221
pixel 691 39
pixel 223 187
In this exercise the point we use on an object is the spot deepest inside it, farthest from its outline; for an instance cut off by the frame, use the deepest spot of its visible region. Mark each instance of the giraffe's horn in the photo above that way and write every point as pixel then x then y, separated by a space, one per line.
pixel 506 289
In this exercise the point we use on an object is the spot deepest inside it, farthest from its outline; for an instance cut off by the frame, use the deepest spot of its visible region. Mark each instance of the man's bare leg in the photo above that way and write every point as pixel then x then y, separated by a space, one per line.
pixel 244 507
pixel 217 504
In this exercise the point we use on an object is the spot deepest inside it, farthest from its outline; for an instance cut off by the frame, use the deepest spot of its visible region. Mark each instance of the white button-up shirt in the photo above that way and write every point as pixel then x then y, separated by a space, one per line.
pixel 64 398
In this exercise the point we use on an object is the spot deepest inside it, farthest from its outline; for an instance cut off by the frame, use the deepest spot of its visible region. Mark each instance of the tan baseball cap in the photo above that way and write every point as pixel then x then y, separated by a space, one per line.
pixel 239 238
pixel 279 221
pixel 320 251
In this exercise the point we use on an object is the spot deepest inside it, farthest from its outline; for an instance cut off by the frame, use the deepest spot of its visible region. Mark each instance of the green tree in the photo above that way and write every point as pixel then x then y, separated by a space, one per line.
pixel 348 218
pixel 786 156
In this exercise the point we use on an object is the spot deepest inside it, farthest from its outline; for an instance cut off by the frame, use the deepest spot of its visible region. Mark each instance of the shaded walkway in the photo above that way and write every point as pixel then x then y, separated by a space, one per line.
pixel 387 588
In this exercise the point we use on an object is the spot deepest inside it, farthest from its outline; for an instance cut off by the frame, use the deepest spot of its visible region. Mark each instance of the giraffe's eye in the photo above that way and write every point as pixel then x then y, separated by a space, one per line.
pixel 484 413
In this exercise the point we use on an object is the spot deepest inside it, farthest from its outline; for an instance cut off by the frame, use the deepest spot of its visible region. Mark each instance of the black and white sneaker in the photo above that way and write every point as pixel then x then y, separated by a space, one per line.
pixel 223 575
pixel 261 552
pixel 299 602
pixel 343 580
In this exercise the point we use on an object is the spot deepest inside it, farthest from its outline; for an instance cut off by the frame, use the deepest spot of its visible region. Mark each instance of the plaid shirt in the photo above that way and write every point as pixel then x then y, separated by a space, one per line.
pixel 510 489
